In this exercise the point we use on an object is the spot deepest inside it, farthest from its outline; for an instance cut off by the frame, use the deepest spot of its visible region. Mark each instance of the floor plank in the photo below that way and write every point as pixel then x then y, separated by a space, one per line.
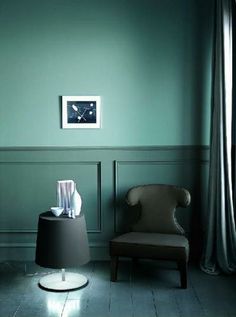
pixel 144 303
pixel 120 293
pixel 146 289
pixel 164 284
pixel 217 294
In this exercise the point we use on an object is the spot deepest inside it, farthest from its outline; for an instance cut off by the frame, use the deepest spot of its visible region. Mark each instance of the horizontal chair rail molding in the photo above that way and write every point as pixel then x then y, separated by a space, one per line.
pixel 33 245
pixel 105 148
pixel 18 231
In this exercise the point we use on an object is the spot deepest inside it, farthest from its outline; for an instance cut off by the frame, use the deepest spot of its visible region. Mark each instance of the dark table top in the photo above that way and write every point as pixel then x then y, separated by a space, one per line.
pixel 48 215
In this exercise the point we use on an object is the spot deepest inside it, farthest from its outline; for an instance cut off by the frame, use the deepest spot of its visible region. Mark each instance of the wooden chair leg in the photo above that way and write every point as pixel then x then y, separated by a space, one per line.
pixel 182 266
pixel 114 268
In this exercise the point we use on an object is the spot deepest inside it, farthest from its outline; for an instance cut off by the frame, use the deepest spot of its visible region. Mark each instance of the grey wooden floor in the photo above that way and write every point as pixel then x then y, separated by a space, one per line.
pixel 148 290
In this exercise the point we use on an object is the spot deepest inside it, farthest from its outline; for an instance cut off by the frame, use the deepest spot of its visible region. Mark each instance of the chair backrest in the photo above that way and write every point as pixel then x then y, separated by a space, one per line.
pixel 158 204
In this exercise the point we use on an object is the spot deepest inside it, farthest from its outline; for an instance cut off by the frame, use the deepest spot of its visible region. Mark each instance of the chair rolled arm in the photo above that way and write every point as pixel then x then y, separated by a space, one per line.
pixel 183 197
pixel 132 196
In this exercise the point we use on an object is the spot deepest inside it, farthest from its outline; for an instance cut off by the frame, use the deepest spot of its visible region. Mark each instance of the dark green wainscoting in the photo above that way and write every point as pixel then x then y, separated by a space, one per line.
pixel 103 175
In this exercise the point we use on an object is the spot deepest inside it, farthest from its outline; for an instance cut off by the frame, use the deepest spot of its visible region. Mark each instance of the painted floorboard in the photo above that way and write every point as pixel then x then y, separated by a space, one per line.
pixel 217 294
pixel 142 294
pixel 120 293
pixel 164 284
pixel 143 290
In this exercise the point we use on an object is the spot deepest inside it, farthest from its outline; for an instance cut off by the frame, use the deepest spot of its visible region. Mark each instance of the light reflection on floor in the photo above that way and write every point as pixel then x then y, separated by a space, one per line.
pixel 56 307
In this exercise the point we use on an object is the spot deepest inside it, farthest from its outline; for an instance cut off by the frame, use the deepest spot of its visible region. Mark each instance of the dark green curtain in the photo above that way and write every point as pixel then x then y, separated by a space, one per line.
pixel 219 254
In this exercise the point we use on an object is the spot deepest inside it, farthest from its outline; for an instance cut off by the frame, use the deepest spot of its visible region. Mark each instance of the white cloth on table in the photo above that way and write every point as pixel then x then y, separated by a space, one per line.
pixel 65 188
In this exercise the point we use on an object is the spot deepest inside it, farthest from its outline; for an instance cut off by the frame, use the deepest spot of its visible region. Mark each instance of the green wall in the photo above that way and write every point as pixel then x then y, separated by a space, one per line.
pixel 149 60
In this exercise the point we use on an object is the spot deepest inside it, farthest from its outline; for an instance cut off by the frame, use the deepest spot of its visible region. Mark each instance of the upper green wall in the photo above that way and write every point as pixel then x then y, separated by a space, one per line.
pixel 149 60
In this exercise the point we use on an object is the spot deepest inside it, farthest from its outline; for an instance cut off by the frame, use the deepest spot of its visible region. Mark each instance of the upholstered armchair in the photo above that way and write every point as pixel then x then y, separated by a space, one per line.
pixel 156 234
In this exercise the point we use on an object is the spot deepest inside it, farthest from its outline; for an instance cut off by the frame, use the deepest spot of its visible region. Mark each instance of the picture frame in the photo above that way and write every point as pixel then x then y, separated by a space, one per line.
pixel 81 112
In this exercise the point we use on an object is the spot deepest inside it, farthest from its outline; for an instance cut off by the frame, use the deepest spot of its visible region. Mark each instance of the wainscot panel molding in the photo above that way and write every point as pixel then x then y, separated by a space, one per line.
pixel 30 187
pixel 103 175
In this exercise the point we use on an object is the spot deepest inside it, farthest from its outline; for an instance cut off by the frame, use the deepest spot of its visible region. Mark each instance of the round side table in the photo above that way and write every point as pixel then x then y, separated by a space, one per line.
pixel 62 242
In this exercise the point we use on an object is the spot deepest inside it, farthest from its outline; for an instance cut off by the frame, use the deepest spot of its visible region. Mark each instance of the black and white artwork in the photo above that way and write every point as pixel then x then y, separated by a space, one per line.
pixel 81 112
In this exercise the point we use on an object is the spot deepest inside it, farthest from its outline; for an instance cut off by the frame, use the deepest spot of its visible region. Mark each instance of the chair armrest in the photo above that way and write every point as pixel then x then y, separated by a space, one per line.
pixel 183 197
pixel 132 196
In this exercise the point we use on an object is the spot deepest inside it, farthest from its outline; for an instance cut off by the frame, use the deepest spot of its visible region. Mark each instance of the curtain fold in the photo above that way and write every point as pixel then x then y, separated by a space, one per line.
pixel 219 253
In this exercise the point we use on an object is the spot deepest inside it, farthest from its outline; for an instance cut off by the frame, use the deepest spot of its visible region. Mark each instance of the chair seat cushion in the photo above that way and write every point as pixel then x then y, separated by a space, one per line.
pixel 150 245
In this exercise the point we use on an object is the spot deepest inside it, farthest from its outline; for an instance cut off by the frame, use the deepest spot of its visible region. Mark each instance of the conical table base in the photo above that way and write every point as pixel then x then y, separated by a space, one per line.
pixel 63 281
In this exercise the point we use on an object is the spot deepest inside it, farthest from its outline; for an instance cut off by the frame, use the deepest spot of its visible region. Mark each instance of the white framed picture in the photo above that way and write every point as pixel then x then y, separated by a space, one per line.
pixel 79 112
